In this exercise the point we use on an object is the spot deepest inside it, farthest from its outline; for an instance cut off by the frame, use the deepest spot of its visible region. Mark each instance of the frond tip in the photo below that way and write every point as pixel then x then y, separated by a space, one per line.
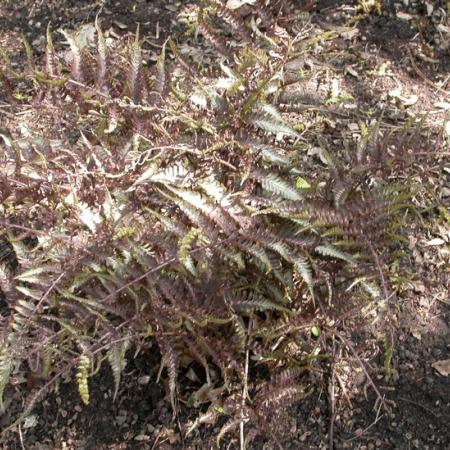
pixel 6 365
pixel 276 185
pixel 84 365
pixel 117 361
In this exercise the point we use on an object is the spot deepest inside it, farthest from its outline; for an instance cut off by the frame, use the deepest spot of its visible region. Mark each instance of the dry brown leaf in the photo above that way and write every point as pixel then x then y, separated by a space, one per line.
pixel 235 4
pixel 435 241
pixel 442 366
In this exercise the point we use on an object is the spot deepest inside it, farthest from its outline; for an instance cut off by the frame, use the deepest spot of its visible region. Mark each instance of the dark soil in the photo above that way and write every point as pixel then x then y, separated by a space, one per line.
pixel 418 396
pixel 141 417
pixel 31 17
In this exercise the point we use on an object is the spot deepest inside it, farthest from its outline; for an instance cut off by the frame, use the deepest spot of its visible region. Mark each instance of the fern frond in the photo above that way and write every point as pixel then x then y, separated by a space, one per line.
pixel 211 36
pixel 117 361
pixel 185 246
pixel 259 253
pixel 102 61
pixel 51 65
pixel 276 185
pixel 265 14
pixel 229 426
pixel 275 292
pixel 329 250
pixel 77 72
pixel 32 275
pixel 303 267
pixel 240 332
pixel 134 76
pixel 283 396
pixel 253 302
pixel 372 289
pixel 369 286
pixel 215 213
pixel 218 192
pixel 272 154
pixel 6 366
pixel 179 57
pixel 173 175
pixel 249 57
pixel 82 375
pixel 196 216
pixel 232 83
pixel 170 360
pixel 161 75
pixel 278 128
pixel 235 20
pixel 29 54
pixel 8 254
pixel 330 160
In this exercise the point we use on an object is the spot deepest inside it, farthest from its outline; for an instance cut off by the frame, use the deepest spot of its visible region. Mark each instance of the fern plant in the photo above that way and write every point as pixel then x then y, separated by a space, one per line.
pixel 164 204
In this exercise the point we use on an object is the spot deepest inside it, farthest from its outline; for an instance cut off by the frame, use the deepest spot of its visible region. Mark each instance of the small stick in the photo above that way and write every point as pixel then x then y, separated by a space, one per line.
pixel 363 367
pixel 21 438
pixel 244 396
pixel 423 76
pixel 344 391
pixel 377 419
pixel 418 404
pixel 244 392
pixel 332 401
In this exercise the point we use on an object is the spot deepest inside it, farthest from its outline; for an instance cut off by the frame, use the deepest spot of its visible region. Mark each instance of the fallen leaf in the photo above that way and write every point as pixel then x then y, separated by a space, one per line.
pixel 350 34
pixel 30 421
pixel 170 435
pixel 416 334
pixel 442 28
pixel 396 93
pixel 235 4
pixel 404 16
pixel 85 35
pixel 120 25
pixel 410 101
pixel 435 241
pixel 447 127
pixel 442 105
pixel 301 183
pixel 443 367
pixel 142 437
pixel 145 379
pixel 351 71
pixel 335 90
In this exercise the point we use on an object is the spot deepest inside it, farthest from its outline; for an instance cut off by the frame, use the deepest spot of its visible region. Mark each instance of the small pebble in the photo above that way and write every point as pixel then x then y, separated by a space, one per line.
pixel 145 379
pixel 142 437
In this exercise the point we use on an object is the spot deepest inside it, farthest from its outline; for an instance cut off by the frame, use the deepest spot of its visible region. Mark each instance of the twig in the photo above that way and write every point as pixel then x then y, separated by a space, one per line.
pixel 423 76
pixel 380 272
pixel 419 405
pixel 344 391
pixel 332 401
pixel 156 440
pixel 21 438
pixel 363 367
pixel 377 419
pixel 244 396
pixel 244 391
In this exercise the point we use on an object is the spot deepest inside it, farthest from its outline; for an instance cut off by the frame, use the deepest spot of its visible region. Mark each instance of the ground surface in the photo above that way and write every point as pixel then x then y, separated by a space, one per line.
pixel 400 58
